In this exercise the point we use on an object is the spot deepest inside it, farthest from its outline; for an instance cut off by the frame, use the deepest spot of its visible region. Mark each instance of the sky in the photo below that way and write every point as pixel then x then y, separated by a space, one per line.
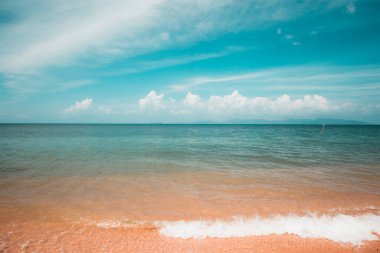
pixel 168 61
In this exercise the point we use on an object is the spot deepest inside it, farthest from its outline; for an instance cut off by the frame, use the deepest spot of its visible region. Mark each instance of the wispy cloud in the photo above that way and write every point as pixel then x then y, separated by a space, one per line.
pixel 370 87
pixel 75 84
pixel 198 81
pixel 50 34
pixel 296 76
pixel 54 33
pixel 147 65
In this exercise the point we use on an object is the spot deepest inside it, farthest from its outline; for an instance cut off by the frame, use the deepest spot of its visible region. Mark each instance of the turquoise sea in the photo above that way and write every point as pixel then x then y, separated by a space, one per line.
pixel 48 149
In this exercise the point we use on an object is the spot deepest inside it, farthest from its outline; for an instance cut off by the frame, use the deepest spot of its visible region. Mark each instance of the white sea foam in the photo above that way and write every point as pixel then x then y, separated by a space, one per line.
pixel 120 223
pixel 341 228
pixel 110 224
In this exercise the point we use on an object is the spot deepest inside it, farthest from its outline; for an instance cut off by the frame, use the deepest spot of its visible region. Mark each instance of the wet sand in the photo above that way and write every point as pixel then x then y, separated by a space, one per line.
pixel 57 237
pixel 117 213
pixel 185 195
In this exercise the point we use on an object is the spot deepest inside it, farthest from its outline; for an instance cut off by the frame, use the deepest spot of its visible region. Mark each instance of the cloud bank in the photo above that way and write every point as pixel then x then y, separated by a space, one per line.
pixel 235 104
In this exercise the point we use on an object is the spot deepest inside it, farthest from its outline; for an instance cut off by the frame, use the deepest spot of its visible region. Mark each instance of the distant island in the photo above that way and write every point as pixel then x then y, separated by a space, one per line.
pixel 318 121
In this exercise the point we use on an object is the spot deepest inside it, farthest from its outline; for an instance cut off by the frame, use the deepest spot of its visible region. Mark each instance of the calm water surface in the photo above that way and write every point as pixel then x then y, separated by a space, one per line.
pixel 149 172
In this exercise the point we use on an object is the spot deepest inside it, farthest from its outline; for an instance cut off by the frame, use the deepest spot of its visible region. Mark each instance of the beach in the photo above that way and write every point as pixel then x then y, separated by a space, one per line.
pixel 189 126
pixel 59 238
pixel 189 188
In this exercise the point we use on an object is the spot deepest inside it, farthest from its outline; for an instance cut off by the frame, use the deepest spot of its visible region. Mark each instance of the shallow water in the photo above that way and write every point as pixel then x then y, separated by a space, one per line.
pixel 141 175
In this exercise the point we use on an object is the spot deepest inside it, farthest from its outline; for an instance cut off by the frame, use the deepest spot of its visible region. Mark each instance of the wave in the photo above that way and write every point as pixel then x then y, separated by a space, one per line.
pixel 341 228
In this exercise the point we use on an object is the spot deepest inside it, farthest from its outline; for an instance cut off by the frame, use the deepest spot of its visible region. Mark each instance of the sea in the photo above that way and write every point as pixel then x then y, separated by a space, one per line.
pixel 194 181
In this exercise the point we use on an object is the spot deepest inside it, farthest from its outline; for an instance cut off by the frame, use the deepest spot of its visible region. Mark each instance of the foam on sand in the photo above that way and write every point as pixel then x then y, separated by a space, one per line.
pixel 341 228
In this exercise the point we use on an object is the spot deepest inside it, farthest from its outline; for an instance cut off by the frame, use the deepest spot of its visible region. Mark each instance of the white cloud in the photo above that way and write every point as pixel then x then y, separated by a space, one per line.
pixel 279 31
pixel 236 105
pixel 192 107
pixel 79 106
pixel 296 43
pixel 151 101
pixel 351 8
pixel 232 102
pixel 192 99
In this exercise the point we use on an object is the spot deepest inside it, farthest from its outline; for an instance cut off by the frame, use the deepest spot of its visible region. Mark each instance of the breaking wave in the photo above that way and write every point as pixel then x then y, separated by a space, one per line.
pixel 341 228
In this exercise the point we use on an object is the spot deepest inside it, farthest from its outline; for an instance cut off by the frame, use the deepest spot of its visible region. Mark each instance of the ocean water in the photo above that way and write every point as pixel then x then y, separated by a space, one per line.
pixel 195 180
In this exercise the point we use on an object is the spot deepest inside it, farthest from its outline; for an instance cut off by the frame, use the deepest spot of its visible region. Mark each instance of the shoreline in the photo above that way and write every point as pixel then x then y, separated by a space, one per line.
pixel 58 237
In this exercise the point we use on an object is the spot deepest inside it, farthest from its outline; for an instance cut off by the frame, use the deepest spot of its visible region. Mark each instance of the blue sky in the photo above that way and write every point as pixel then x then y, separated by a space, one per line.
pixel 183 61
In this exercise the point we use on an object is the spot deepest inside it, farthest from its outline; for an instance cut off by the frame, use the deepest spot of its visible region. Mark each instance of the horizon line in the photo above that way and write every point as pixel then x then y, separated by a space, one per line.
pixel 158 123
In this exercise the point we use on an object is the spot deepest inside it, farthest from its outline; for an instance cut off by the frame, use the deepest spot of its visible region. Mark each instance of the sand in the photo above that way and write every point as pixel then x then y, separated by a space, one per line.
pixel 61 237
